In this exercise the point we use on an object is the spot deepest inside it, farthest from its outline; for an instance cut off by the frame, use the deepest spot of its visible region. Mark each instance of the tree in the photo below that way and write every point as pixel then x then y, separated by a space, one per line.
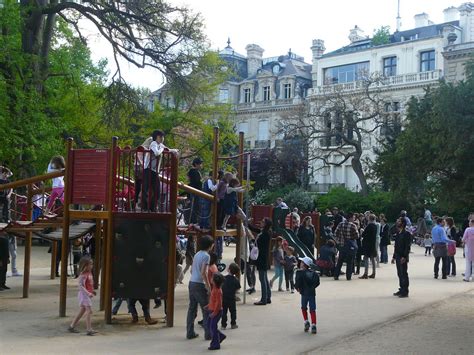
pixel 381 36
pixel 432 160
pixel 339 124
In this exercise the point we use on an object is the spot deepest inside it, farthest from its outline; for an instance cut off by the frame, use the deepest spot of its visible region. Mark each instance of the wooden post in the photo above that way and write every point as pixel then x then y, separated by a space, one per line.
pixel 240 176
pixel 109 236
pixel 54 253
pixel 98 227
pixel 103 268
pixel 172 241
pixel 215 160
pixel 65 237
pixel 28 240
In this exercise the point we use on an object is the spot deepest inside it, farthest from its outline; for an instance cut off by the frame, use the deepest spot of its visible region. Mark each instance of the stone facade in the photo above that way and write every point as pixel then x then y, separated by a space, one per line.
pixel 413 60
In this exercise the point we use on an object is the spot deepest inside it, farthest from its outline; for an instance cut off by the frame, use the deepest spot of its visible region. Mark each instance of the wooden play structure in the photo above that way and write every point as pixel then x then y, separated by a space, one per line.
pixel 100 184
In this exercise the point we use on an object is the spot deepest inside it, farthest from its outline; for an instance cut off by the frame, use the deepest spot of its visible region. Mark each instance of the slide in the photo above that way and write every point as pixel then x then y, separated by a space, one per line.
pixel 293 241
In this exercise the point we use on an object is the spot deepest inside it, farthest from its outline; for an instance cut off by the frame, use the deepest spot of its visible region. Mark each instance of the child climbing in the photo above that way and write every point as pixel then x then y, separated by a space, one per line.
pixel 57 163
pixel 231 207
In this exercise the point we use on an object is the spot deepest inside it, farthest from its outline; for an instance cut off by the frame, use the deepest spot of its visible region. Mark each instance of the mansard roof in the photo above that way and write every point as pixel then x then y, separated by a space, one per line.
pixel 397 37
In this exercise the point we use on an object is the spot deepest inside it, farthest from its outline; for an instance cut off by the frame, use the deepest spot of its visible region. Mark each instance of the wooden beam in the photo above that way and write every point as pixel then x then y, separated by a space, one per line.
pixel 54 252
pixel 215 167
pixel 77 214
pixel 240 176
pixel 172 243
pixel 28 240
pixel 31 180
pixel 65 238
pixel 97 234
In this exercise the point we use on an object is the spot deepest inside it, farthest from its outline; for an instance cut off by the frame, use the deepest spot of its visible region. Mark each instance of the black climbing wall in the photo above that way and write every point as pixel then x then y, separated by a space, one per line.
pixel 140 258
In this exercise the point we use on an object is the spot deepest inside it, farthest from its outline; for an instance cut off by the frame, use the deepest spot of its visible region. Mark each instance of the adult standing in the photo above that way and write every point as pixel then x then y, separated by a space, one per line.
pixel 199 288
pixel 468 240
pixel 369 246
pixel 152 165
pixel 209 186
pixel 195 181
pixel 306 234
pixel 440 248
pixel 263 245
pixel 400 257
pixel 338 218
pixel 345 236
pixel 139 168
pixel 452 234
pixel 384 239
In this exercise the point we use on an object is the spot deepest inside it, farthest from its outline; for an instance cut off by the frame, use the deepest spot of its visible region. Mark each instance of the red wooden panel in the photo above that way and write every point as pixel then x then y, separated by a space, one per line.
pixel 90 172
pixel 259 212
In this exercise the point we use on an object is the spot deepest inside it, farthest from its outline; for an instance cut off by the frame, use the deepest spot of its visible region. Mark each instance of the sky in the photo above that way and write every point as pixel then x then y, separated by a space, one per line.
pixel 279 25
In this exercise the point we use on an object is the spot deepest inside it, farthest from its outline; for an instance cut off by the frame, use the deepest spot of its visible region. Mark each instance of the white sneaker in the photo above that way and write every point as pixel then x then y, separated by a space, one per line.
pixel 17 274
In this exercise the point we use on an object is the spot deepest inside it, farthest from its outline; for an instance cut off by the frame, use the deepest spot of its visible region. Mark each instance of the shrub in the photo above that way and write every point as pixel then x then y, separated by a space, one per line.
pixel 300 198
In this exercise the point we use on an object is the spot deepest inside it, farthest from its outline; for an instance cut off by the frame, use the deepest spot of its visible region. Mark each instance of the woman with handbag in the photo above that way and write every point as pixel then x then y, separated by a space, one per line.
pixel 263 246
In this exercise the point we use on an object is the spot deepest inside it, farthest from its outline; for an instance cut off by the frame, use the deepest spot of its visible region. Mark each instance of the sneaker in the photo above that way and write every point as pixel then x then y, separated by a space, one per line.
pixel 16 273
pixel 398 293
pixel 314 330
pixel 281 290
pixel 292 291
pixel 72 330
pixel 306 326
pixel 193 336
pixel 223 327
pixel 287 289
pixel 403 295
pixel 5 287
pixel 234 326
pixel 91 332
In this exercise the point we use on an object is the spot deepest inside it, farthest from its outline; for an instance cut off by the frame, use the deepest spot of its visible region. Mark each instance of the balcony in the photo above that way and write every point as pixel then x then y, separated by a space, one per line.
pixel 268 103
pixel 397 80
pixel 262 144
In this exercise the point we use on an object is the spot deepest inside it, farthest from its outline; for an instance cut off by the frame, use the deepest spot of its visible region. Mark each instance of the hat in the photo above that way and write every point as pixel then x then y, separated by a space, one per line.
pixel 197 161
pixel 307 261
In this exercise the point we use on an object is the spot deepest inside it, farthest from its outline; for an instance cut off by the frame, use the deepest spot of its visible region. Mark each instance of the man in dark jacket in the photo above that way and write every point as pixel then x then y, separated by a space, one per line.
pixel 195 180
pixel 400 257
pixel 263 244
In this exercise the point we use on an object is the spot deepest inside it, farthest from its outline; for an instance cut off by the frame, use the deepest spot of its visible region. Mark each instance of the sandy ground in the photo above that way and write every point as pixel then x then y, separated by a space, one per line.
pixel 360 316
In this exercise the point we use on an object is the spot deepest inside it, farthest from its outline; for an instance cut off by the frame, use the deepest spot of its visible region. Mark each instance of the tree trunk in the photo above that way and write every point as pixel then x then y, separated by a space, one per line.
pixel 359 171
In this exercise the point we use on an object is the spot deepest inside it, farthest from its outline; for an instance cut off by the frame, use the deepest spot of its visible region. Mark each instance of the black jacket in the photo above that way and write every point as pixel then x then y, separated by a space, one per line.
pixel 263 244
pixel 369 236
pixel 384 235
pixel 402 245
pixel 4 251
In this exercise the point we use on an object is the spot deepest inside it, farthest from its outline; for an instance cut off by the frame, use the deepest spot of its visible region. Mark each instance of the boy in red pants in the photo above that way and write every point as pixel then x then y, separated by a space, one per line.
pixel 306 282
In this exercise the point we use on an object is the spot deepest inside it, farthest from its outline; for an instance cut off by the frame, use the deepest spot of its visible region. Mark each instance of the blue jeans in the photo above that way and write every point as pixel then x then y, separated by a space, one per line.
pixel 265 286
pixel 197 296
pixel 278 274
pixel 308 300
pixel 383 254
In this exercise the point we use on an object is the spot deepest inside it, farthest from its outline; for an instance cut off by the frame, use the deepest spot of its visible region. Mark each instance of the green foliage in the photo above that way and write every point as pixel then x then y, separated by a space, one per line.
pixel 349 201
pixel 432 160
pixel 293 195
pixel 381 36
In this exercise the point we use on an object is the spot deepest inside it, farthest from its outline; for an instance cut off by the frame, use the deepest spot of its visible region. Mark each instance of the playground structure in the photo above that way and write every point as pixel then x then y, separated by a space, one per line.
pixel 135 248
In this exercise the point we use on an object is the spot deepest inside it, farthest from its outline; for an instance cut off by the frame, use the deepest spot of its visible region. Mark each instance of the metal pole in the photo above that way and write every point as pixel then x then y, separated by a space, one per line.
pixel 28 239
pixel 246 236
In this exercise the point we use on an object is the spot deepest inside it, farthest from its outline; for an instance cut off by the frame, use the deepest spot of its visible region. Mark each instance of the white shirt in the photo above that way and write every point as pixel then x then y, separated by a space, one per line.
pixel 211 185
pixel 57 181
pixel 155 148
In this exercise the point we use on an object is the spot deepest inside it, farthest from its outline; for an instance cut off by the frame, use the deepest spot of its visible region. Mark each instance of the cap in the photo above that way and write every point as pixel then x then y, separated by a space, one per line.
pixel 197 161
pixel 307 261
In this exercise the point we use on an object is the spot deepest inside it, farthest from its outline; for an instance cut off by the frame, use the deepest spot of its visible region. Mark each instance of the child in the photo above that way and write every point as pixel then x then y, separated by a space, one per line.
pixel 290 263
pixel 306 282
pixel 278 262
pixel 215 312
pixel 229 288
pixel 326 258
pixel 212 269
pixel 86 292
pixel 428 243
pixel 57 163
pixel 230 202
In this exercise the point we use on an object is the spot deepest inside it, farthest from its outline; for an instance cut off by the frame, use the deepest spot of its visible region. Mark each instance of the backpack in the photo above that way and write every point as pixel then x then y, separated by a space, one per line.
pixel 451 248
pixel 311 279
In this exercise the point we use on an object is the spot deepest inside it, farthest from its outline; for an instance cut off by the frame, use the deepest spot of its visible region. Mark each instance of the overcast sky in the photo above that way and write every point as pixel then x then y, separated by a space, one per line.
pixel 279 25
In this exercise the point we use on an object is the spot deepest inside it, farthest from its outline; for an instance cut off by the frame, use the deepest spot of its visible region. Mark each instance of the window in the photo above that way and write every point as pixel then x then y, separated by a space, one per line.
pixel 243 127
pixel 427 61
pixel 346 73
pixel 391 126
pixel 266 93
pixel 246 95
pixel 263 132
pixel 390 66
pixel 287 91
pixel 223 95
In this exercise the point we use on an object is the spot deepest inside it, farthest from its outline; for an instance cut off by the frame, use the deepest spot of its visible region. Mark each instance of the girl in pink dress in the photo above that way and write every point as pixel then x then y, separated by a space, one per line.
pixel 85 294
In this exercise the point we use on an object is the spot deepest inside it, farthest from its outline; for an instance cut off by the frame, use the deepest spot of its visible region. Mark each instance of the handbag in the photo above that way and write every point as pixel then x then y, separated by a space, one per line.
pixel 254 253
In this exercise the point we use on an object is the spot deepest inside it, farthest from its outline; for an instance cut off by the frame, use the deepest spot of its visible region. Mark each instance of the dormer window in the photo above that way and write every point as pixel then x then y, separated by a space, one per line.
pixel 276 69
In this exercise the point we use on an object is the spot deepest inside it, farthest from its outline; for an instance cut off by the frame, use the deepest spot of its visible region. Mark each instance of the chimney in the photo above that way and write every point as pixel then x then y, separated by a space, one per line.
pixel 318 48
pixel 356 34
pixel 422 20
pixel 254 58
pixel 451 14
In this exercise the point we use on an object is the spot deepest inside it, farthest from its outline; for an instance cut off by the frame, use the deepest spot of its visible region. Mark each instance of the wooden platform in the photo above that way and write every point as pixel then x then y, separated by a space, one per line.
pixel 183 229
pixel 75 231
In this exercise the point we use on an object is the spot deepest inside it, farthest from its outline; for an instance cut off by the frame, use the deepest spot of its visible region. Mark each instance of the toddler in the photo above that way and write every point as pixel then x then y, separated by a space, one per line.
pixel 229 288
pixel 306 282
